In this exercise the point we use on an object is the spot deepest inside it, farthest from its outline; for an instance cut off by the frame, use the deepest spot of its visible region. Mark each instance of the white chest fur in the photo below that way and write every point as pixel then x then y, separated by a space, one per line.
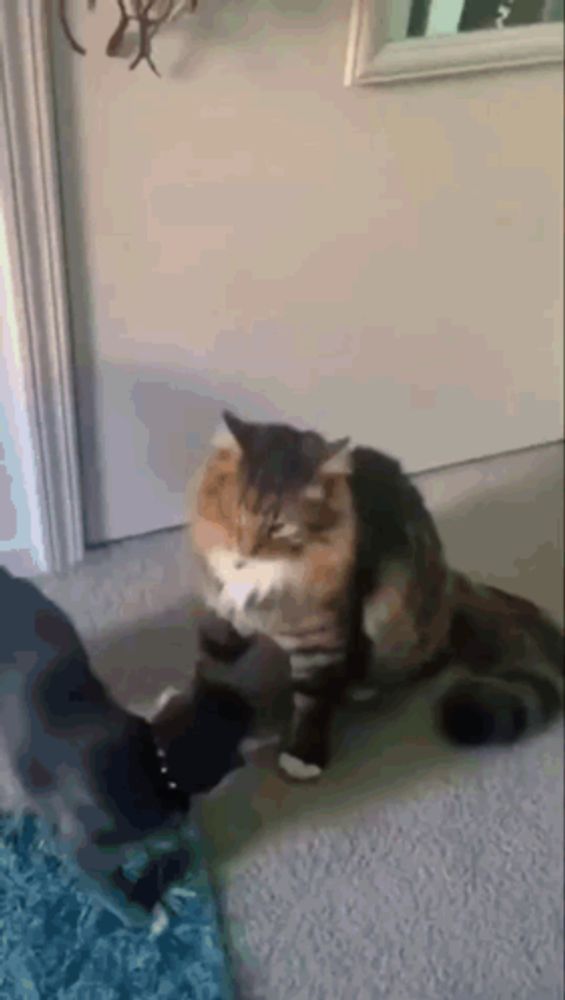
pixel 240 585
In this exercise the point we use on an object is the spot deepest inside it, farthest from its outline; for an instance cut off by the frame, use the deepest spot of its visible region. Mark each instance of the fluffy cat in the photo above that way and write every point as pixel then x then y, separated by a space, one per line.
pixel 101 777
pixel 331 552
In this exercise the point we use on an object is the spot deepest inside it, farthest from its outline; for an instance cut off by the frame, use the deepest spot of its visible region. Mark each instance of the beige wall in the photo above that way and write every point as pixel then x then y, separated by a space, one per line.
pixel 379 262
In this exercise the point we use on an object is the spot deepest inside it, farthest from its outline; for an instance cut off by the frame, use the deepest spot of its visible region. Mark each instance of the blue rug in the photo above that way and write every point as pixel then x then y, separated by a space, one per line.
pixel 58 944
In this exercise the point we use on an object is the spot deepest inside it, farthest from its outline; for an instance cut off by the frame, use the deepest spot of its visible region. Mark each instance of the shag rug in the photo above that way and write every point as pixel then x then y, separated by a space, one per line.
pixel 56 943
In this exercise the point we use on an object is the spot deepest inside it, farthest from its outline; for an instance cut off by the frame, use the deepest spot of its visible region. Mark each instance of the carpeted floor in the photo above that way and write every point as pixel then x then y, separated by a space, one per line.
pixel 409 872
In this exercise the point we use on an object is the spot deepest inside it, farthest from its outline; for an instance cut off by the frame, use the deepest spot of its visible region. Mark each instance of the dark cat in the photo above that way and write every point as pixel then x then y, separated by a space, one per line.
pixel 102 778
pixel 331 552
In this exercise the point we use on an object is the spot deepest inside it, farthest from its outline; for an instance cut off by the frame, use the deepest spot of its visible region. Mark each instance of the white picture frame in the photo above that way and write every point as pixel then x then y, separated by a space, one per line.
pixel 374 60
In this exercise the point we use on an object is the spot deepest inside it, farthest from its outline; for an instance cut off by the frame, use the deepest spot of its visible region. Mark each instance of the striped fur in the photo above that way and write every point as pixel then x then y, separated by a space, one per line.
pixel 499 658
pixel 512 655
pixel 332 554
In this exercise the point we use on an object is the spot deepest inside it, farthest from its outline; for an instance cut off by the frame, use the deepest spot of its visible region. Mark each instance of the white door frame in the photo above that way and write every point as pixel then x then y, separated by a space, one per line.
pixel 38 354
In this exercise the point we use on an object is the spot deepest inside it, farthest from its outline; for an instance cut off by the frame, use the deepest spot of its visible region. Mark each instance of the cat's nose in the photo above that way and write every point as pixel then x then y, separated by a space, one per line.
pixel 239 563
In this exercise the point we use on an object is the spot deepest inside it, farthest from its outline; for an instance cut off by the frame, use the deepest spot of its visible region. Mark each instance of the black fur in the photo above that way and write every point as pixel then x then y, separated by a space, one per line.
pixel 73 756
pixel 220 641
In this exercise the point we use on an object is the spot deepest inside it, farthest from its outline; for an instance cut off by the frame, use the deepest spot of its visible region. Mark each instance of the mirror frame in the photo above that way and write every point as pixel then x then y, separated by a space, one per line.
pixel 372 59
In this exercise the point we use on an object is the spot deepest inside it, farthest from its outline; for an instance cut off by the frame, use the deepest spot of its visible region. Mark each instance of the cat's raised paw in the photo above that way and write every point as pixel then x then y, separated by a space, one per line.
pixel 298 769
pixel 160 921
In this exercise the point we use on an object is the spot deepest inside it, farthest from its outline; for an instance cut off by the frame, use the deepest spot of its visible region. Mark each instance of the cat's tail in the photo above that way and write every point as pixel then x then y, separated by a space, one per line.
pixel 511 655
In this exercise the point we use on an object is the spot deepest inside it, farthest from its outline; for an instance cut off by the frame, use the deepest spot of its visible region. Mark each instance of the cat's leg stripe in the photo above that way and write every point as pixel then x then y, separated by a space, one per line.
pixel 324 681
pixel 298 634
pixel 307 659
pixel 335 650
pixel 316 640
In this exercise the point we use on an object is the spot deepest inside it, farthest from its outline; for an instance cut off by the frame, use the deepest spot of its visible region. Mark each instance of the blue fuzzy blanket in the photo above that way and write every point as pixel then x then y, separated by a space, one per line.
pixel 58 944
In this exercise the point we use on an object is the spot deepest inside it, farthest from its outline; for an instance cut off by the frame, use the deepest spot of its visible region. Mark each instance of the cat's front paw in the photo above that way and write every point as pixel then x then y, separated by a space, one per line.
pixel 297 769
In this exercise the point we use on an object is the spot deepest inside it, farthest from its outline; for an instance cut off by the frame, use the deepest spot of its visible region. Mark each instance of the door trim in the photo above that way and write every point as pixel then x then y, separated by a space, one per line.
pixel 40 362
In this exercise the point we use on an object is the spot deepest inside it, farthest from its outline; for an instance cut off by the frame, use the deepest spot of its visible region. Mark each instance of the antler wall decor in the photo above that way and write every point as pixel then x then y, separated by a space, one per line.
pixel 145 17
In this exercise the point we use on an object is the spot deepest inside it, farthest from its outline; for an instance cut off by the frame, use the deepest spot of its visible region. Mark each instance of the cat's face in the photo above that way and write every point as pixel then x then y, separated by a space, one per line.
pixel 270 491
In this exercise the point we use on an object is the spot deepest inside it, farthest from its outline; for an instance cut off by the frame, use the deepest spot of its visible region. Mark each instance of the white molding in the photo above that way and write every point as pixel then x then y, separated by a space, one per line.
pixel 41 369
pixel 371 59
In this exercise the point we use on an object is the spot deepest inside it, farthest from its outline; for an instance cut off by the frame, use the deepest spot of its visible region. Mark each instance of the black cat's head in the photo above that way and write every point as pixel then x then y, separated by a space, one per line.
pixel 199 736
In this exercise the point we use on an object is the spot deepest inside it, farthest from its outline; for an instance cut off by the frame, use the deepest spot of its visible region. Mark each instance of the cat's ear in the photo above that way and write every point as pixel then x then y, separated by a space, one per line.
pixel 237 427
pixel 337 458
pixel 231 432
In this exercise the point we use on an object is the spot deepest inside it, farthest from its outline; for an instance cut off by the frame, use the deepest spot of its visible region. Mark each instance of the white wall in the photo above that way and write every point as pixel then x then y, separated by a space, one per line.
pixel 379 262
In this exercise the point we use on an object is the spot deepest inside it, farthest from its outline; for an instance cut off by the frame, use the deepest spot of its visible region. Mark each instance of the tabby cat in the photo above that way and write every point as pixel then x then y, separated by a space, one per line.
pixel 330 551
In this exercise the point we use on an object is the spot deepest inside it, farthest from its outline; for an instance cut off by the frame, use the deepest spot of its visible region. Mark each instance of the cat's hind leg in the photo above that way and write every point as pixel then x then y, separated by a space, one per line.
pixel 512 666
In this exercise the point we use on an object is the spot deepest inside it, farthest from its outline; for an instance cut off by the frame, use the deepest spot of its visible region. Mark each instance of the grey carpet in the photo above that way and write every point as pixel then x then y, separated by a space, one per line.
pixel 409 872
